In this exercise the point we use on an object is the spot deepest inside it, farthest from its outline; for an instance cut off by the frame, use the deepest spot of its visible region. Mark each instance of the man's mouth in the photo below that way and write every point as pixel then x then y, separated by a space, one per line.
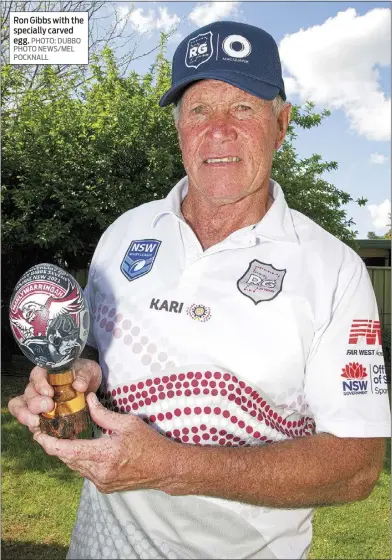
pixel 228 159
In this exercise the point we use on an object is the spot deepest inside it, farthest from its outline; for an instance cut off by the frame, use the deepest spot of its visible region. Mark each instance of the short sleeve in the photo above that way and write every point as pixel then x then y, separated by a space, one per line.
pixel 345 378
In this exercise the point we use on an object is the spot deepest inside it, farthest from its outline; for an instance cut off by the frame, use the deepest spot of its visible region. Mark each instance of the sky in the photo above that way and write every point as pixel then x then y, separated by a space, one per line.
pixel 335 54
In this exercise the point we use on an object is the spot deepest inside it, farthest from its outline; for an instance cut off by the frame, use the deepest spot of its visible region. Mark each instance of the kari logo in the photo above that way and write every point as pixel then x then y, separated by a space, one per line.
pixel 166 305
pixel 365 331
pixel 139 258
pixel 199 50
pixel 199 312
pixel 236 46
pixel 261 282
pixel 354 383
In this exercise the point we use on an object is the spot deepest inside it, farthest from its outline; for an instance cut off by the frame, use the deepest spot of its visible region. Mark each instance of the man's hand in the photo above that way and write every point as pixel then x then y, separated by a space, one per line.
pixel 134 457
pixel 38 394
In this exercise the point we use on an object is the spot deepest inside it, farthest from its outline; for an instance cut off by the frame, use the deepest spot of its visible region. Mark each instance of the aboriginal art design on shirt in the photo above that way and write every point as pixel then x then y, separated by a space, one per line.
pixel 207 408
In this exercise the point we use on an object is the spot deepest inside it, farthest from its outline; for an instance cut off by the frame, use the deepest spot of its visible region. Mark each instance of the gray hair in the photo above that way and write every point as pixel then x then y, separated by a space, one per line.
pixel 278 104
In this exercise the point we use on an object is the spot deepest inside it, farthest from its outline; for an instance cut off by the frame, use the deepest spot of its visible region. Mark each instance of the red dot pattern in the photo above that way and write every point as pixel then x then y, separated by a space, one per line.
pixel 136 396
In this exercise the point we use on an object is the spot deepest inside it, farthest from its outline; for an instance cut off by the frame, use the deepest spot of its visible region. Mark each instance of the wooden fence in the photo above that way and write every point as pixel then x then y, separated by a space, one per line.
pixel 381 280
pixel 379 275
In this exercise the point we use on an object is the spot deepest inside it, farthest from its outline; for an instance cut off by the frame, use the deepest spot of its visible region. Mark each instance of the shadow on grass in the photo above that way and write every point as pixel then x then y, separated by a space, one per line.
pixel 14 550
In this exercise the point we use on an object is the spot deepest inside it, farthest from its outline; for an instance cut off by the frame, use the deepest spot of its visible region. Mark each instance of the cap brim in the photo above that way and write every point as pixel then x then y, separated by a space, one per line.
pixel 246 83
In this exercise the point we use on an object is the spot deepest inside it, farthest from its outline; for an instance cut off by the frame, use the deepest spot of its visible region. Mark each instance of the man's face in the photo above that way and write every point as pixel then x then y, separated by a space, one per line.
pixel 227 138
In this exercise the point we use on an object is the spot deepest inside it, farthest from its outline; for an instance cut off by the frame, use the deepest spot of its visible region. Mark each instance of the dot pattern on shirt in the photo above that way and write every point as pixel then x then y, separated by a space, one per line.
pixel 202 408
pixel 98 533
pixel 131 334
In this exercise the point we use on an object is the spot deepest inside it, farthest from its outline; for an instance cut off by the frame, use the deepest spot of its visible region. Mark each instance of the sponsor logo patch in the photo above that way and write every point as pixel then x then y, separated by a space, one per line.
pixel 365 331
pixel 139 258
pixel 199 312
pixel 199 50
pixel 261 282
pixel 171 306
pixel 236 47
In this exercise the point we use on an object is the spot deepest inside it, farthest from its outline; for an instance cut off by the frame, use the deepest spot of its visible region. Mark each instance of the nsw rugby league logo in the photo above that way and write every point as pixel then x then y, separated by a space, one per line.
pixel 261 282
pixel 199 50
pixel 139 258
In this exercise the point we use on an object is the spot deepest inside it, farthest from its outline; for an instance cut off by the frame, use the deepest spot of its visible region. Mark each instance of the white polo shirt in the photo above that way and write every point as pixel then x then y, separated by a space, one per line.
pixel 271 334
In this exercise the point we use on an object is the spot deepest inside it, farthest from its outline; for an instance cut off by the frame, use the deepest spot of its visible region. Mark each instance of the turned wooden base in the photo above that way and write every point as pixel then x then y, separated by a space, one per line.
pixel 66 427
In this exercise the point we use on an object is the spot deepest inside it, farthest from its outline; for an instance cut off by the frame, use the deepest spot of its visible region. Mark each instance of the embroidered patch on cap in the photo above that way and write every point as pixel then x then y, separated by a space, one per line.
pixel 199 50
pixel 139 258
pixel 261 282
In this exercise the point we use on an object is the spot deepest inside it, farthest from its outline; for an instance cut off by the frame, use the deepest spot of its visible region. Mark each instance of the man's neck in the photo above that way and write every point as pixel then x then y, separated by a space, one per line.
pixel 212 223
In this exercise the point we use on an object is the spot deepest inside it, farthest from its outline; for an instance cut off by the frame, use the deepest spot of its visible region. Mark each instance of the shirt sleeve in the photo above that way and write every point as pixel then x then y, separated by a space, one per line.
pixel 345 378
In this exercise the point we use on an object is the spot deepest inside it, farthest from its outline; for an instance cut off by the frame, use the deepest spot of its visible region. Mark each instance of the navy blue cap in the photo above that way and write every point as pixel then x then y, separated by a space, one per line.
pixel 242 55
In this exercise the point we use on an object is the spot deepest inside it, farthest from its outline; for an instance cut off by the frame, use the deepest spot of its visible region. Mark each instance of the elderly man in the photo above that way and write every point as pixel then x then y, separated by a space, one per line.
pixel 229 324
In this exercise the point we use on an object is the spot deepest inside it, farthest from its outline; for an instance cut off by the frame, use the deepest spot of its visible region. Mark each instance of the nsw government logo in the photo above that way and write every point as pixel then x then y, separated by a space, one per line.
pixel 354 383
pixel 139 258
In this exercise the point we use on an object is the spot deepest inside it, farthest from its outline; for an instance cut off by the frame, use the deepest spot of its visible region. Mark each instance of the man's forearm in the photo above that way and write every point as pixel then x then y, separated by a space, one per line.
pixel 311 471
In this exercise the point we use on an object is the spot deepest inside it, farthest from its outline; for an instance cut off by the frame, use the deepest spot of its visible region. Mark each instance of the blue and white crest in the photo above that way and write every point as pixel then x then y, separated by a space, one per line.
pixel 199 50
pixel 139 258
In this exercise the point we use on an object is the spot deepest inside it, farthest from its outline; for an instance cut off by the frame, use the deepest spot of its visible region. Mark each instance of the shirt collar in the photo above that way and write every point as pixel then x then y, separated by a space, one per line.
pixel 172 203
pixel 276 225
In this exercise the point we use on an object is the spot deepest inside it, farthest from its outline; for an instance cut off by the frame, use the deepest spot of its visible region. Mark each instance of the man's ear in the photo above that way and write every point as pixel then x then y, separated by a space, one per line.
pixel 283 123
pixel 178 135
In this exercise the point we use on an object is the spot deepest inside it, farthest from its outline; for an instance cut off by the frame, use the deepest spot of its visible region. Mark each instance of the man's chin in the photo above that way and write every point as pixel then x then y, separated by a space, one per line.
pixel 223 198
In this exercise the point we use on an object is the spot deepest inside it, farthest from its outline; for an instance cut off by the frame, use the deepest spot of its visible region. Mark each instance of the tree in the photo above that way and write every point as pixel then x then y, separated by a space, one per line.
pixel 372 235
pixel 301 179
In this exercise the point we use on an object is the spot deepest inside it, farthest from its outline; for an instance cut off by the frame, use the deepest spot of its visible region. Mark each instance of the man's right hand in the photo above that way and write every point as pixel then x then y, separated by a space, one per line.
pixel 38 394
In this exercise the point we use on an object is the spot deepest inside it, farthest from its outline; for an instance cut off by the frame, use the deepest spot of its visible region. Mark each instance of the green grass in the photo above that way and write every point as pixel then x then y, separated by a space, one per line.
pixel 40 494
pixel 40 498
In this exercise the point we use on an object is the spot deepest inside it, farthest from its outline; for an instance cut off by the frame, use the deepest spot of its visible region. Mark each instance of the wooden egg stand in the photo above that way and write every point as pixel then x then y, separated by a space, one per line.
pixel 70 415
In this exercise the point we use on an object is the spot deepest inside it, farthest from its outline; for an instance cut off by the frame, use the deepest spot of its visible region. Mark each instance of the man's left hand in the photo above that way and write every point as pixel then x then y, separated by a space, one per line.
pixel 134 457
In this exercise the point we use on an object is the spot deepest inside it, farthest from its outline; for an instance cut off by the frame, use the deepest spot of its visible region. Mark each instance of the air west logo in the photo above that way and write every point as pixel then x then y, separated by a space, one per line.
pixel 354 383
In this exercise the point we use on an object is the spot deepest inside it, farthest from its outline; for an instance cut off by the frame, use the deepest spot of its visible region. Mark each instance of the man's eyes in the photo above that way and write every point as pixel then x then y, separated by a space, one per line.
pixel 243 107
pixel 240 108
pixel 199 109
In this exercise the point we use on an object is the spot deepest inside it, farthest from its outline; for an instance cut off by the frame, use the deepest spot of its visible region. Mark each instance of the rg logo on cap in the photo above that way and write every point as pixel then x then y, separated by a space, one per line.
pixel 199 50
pixel 228 44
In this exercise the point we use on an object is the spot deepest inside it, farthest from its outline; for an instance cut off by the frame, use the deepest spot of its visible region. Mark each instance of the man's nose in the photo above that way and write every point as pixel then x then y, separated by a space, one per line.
pixel 220 127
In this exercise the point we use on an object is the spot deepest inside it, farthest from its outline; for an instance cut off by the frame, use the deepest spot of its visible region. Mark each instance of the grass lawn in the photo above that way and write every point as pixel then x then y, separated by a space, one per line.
pixel 40 497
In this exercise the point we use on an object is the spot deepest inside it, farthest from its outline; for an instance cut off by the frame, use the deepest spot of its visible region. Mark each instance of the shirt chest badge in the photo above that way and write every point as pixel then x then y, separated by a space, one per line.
pixel 139 258
pixel 261 282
